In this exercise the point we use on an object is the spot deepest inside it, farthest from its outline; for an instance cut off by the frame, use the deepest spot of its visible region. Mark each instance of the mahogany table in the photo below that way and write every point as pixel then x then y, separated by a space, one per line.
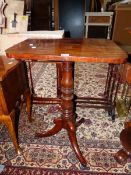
pixel 68 51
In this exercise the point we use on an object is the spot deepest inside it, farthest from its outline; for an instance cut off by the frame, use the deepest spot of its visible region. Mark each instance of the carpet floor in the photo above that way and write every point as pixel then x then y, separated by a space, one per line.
pixel 98 136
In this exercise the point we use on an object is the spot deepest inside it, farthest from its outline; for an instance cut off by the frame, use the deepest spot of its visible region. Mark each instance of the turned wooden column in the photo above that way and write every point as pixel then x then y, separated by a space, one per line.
pixel 68 115
pixel 67 119
pixel 67 91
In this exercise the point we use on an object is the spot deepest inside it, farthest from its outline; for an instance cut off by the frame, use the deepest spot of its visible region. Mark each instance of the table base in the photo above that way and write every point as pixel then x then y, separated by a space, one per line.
pixel 67 120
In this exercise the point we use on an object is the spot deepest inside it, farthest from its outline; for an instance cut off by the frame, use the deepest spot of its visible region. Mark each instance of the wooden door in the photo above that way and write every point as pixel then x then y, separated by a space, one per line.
pixel 41 16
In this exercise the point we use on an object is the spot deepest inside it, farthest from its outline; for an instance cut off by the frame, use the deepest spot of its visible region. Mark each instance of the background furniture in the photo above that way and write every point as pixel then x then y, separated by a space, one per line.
pixel 99 19
pixel 121 23
pixel 58 14
pixel 13 84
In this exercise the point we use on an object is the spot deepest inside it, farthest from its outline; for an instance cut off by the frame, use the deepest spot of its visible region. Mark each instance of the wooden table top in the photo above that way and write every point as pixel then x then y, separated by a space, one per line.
pixel 75 50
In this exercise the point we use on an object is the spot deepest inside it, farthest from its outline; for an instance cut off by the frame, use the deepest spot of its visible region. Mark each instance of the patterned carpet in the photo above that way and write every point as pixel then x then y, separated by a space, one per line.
pixel 98 137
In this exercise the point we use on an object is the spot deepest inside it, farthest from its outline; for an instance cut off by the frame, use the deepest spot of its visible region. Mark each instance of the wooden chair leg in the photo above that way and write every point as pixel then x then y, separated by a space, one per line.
pixel 27 95
pixel 30 78
pixel 8 120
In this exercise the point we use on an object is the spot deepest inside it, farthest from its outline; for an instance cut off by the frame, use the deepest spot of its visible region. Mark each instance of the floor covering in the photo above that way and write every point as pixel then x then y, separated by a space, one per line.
pixel 98 136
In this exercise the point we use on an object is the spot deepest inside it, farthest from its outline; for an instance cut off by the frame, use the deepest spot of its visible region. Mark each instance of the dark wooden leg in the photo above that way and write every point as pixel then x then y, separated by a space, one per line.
pixel 30 78
pixel 78 123
pixel 59 78
pixel 72 136
pixel 28 103
pixel 53 131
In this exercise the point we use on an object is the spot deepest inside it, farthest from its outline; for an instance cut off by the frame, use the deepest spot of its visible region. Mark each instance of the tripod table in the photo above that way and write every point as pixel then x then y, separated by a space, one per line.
pixel 68 51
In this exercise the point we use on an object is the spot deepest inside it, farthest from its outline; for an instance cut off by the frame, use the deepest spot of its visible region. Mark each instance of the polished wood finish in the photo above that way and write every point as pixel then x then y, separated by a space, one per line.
pixel 125 73
pixel 68 51
pixel 13 84
pixel 75 50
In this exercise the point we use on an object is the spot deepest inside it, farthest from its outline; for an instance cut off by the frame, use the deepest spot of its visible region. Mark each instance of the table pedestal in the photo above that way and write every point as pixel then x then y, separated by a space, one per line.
pixel 67 120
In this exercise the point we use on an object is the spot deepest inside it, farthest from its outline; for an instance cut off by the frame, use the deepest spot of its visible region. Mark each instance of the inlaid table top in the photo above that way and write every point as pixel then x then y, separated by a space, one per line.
pixel 75 50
